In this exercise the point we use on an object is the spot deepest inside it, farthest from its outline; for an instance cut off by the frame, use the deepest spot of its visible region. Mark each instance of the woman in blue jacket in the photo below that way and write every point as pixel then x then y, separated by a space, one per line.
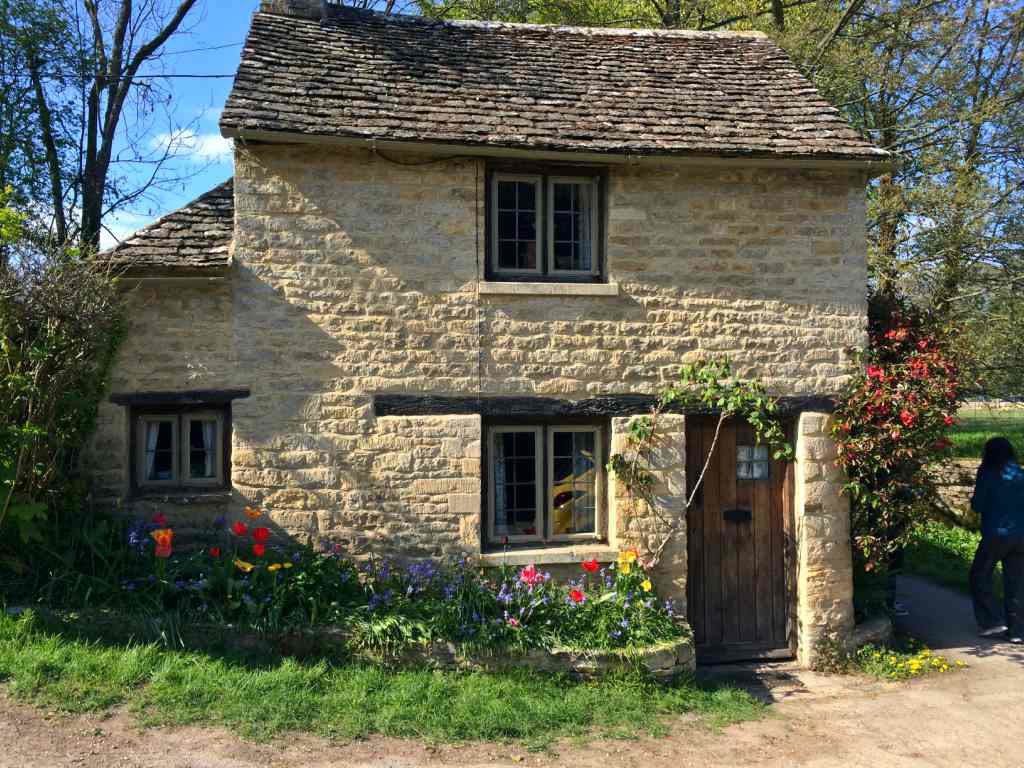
pixel 999 499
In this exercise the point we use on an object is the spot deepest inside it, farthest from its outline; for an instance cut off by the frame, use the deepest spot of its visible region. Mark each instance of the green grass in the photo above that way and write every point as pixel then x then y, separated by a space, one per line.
pixel 260 699
pixel 943 553
pixel 977 426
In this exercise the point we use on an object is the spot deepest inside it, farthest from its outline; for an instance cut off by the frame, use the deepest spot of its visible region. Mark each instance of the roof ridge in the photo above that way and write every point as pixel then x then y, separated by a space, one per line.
pixel 336 12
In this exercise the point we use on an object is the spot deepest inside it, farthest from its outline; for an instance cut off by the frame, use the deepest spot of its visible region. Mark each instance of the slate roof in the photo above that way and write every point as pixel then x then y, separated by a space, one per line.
pixel 196 237
pixel 526 86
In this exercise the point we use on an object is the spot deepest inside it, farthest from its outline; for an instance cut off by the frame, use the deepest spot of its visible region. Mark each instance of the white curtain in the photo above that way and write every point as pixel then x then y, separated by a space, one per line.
pixel 152 435
pixel 209 445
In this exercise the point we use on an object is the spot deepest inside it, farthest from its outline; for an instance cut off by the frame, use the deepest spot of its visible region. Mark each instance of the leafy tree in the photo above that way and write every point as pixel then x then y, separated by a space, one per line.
pixel 82 89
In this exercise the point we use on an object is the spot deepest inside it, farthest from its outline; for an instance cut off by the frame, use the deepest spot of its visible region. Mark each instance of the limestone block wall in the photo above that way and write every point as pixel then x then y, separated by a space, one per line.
pixel 824 567
pixel 178 337
pixel 355 274
pixel 639 526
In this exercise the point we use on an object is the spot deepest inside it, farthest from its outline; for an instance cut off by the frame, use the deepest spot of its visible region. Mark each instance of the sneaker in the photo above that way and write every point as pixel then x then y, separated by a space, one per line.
pixel 993 631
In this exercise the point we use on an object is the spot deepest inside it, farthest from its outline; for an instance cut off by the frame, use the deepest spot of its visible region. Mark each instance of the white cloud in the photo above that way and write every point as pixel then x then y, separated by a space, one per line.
pixel 208 147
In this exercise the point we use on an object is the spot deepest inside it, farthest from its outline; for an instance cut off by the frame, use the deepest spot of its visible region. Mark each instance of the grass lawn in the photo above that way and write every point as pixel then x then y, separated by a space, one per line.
pixel 262 698
pixel 979 424
pixel 943 553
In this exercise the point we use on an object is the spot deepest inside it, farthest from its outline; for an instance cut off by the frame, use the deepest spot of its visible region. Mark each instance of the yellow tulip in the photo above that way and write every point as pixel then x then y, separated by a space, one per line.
pixel 287 565
pixel 244 566
pixel 274 567
pixel 647 586
pixel 625 569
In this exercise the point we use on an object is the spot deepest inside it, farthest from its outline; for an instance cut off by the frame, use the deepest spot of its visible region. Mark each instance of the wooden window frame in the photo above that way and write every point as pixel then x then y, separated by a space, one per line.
pixel 180 416
pixel 545 430
pixel 546 175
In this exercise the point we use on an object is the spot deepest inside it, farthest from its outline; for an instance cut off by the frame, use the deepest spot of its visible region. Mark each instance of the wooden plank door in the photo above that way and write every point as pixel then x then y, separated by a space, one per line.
pixel 739 586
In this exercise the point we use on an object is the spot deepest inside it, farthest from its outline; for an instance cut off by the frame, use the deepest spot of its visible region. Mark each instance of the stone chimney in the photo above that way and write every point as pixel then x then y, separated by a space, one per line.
pixel 304 9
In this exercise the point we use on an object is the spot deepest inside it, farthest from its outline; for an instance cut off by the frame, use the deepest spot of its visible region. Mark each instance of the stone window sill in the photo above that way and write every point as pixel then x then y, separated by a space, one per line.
pixel 181 496
pixel 576 553
pixel 548 289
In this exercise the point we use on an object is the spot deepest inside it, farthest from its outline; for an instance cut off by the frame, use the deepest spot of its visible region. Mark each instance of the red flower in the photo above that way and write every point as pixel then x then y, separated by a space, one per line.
pixel 163 538
pixel 907 418
pixel 259 550
pixel 590 566
pixel 214 551
pixel 261 535
pixel 948 420
pixel 160 519
pixel 239 528
pixel 576 596
pixel 531 576
pixel 922 344
pixel 876 372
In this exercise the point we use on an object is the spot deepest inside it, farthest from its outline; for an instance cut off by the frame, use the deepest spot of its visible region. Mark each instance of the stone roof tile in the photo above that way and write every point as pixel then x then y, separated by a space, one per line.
pixel 196 237
pixel 525 86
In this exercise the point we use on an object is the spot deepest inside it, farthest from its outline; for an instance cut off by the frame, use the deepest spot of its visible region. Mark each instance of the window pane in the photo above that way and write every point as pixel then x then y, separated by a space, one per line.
pixel 515 484
pixel 574 484
pixel 761 470
pixel 202 444
pixel 527 255
pixel 573 204
pixel 507 254
pixel 159 451
pixel 507 225
pixel 507 195
pixel 526 195
pixel 527 226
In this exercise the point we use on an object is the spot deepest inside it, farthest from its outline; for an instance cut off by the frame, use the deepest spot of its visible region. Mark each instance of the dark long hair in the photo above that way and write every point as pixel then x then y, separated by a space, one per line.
pixel 997 454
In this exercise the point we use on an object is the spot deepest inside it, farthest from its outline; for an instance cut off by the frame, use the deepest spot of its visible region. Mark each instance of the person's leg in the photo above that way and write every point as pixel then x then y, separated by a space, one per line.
pixel 1013 583
pixel 986 610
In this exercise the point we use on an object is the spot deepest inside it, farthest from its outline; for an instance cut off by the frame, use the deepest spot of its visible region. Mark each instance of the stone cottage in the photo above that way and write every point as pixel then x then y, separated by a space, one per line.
pixel 456 258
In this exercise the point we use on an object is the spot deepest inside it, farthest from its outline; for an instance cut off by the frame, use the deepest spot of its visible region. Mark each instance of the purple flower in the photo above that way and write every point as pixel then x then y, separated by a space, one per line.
pixel 220 522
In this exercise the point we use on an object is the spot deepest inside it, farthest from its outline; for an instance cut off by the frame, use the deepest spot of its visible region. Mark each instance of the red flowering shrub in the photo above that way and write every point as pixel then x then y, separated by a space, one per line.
pixel 892 422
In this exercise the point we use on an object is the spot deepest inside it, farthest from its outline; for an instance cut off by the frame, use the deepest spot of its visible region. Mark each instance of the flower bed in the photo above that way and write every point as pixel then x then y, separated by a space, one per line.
pixel 456 611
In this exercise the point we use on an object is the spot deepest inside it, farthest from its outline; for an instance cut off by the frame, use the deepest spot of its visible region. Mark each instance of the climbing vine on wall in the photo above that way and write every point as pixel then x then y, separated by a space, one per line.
pixel 704 386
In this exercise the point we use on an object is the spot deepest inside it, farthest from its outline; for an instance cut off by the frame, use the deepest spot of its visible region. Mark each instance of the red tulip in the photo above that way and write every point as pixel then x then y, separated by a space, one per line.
pixel 259 550
pixel 261 535
pixel 239 528
pixel 590 566
pixel 214 551
pixel 163 538
pixel 577 596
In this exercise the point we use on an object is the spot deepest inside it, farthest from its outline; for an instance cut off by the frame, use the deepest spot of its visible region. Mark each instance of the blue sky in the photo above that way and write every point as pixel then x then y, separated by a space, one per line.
pixel 211 45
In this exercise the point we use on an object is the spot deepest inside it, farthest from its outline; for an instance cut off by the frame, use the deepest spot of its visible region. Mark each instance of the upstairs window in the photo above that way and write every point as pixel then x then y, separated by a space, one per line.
pixel 545 226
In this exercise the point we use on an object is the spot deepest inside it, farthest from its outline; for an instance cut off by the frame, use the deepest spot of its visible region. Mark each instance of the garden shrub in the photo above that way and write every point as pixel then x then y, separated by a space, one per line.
pixel 893 421
pixel 60 323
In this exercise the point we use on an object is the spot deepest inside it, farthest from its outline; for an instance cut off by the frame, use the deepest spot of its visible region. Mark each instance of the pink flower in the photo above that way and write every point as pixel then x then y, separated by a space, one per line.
pixel 876 372
pixel 531 576
pixel 907 418
pixel 513 622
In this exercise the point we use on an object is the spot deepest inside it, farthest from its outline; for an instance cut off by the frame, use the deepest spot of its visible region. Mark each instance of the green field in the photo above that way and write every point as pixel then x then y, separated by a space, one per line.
pixel 979 424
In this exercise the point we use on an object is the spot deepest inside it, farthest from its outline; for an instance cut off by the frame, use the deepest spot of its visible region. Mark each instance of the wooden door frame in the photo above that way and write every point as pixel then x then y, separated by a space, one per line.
pixel 790 555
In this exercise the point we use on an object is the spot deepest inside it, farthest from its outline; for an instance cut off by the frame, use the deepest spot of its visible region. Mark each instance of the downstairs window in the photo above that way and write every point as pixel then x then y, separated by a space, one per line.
pixel 179 448
pixel 545 483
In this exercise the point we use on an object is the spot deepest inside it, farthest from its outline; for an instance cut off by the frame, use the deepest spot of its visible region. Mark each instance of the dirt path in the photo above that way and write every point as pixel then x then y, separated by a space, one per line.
pixel 973 718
